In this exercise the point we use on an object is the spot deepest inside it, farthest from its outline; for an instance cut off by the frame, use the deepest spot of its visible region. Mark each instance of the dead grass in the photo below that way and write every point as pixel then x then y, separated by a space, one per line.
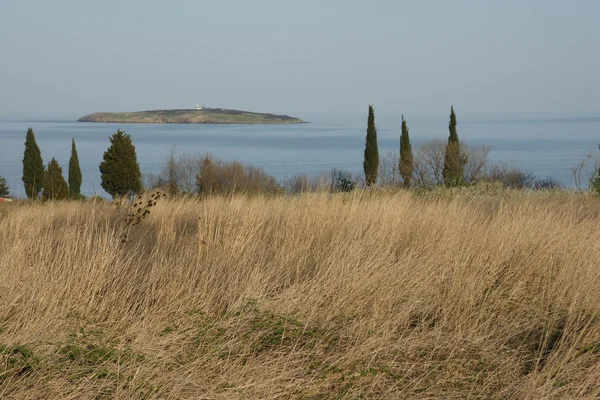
pixel 454 294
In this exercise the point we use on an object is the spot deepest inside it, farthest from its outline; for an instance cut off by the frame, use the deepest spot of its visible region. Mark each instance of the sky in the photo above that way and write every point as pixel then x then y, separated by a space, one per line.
pixel 66 58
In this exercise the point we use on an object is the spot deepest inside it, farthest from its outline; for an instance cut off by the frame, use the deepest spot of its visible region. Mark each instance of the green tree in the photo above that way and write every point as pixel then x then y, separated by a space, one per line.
pixel 74 172
pixel 120 172
pixel 595 183
pixel 55 186
pixel 453 159
pixel 4 189
pixel 406 156
pixel 371 161
pixel 33 167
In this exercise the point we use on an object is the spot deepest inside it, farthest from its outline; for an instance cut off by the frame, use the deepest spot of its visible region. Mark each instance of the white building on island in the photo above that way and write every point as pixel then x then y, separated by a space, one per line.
pixel 199 107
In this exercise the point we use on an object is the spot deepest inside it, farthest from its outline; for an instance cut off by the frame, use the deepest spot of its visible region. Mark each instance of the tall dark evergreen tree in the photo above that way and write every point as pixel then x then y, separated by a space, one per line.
pixel 120 171
pixel 4 189
pixel 33 167
pixel 74 172
pixel 371 160
pixel 453 160
pixel 55 186
pixel 406 156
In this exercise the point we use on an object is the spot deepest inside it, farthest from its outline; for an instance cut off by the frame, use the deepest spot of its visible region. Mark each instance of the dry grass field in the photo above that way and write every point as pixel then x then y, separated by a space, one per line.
pixel 365 295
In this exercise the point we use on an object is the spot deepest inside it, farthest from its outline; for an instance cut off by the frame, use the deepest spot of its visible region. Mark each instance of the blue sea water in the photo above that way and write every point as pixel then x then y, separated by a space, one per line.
pixel 546 145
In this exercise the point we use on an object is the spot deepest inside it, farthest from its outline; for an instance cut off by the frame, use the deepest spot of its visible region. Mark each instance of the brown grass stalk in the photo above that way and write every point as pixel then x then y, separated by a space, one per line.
pixel 378 294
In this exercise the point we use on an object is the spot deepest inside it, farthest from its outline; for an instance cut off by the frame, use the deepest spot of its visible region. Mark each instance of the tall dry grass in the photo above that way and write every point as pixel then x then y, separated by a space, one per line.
pixel 361 295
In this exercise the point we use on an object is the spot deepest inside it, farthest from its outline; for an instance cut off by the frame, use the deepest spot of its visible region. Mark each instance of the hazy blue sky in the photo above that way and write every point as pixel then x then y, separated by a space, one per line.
pixel 64 58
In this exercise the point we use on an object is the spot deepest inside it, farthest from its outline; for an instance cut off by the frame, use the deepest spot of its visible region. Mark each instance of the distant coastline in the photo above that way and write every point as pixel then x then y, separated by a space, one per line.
pixel 200 115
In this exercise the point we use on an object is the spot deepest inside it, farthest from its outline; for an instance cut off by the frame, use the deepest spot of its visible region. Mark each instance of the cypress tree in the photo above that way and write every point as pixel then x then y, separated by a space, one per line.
pixel 74 172
pixel 453 160
pixel 120 172
pixel 406 156
pixel 55 186
pixel 371 161
pixel 4 189
pixel 33 167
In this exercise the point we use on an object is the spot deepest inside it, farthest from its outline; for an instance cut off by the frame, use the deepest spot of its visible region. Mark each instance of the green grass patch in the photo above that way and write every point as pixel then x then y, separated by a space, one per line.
pixel 16 360
pixel 592 348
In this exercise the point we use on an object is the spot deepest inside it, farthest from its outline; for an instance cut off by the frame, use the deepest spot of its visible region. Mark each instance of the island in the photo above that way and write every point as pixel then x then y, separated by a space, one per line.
pixel 199 115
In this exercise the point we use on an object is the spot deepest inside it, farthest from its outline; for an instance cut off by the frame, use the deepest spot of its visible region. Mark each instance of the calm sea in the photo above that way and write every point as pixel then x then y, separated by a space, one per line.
pixel 545 146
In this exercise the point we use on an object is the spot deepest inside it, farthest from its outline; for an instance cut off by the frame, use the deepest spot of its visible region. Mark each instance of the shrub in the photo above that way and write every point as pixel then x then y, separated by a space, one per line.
pixel 429 163
pixel 179 173
pixel 342 181
pixel 55 186
pixel 595 186
pixel 4 189
pixel 120 171
pixel 389 172
pixel 513 178
pixel 219 177
pixel 588 167
pixel 302 183
pixel 547 183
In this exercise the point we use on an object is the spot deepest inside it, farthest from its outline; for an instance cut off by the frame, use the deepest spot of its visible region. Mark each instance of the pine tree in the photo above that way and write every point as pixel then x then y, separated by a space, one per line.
pixel 453 160
pixel 120 171
pixel 4 189
pixel 55 186
pixel 33 167
pixel 74 172
pixel 406 156
pixel 371 160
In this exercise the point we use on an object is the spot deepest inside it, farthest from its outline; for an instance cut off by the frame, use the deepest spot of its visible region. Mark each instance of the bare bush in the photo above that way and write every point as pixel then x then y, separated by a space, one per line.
pixel 302 183
pixel 477 159
pixel 429 157
pixel 342 181
pixel 188 168
pixel 514 178
pixel 178 173
pixel 220 177
pixel 389 174
pixel 509 177
pixel 587 170
pixel 547 183
pixel 336 180
pixel 428 161
pixel 203 173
